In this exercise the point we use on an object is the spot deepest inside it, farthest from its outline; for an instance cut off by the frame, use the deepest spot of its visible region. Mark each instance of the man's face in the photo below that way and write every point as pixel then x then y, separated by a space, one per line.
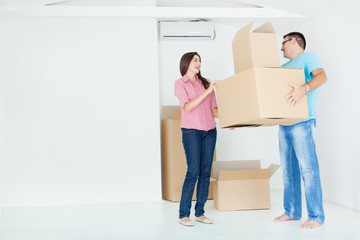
pixel 286 46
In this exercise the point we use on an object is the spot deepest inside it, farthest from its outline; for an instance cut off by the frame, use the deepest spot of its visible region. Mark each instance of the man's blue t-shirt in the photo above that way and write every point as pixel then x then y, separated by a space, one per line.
pixel 309 62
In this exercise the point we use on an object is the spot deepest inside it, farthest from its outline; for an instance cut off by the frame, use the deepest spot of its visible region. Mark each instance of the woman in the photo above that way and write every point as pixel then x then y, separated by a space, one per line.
pixel 198 109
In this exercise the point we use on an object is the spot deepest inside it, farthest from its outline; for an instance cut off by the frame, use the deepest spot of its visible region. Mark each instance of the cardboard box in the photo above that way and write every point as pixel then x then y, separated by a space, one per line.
pixel 242 185
pixel 257 97
pixel 173 159
pixel 256 48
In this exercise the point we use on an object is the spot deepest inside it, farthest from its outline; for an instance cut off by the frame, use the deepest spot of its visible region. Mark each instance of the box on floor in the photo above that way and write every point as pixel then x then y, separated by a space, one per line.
pixel 173 159
pixel 242 185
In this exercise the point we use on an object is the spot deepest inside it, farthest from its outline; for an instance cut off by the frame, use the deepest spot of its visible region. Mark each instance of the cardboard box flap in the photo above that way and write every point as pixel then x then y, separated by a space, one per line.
pixel 234 165
pixel 273 167
pixel 171 112
pixel 244 174
pixel 265 28
pixel 255 48
pixel 243 32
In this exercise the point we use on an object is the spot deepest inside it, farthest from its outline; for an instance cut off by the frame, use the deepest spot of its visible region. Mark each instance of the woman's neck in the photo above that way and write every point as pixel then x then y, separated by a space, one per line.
pixel 191 77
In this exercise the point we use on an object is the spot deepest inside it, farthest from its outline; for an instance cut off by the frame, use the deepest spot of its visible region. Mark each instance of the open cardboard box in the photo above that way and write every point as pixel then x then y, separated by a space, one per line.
pixel 173 159
pixel 257 48
pixel 241 185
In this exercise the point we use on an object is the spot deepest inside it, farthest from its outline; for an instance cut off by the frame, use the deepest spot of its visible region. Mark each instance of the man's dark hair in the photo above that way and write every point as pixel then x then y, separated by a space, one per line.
pixel 300 39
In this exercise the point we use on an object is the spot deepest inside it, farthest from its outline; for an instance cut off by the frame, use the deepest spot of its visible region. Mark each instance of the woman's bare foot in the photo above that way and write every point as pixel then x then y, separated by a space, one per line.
pixel 310 224
pixel 284 218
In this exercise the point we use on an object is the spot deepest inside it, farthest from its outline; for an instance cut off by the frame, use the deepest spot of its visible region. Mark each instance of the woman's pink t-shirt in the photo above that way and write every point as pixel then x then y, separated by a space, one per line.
pixel 201 117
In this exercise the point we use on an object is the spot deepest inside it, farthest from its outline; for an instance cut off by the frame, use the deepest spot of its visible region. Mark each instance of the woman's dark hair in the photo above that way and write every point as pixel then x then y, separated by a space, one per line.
pixel 184 65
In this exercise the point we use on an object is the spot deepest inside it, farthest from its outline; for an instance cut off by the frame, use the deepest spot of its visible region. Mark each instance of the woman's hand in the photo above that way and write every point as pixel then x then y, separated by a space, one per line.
pixel 189 106
pixel 211 87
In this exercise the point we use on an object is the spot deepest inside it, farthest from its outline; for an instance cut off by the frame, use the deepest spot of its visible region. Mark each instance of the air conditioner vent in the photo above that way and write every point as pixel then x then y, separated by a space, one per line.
pixel 199 30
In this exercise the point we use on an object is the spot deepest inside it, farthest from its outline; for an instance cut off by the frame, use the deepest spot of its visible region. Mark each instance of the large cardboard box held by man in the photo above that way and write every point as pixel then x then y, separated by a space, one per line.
pixel 173 159
pixel 257 97
pixel 256 94
pixel 242 185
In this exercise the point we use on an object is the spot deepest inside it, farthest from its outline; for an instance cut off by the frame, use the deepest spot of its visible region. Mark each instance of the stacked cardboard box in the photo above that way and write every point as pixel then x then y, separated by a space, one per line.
pixel 173 159
pixel 255 95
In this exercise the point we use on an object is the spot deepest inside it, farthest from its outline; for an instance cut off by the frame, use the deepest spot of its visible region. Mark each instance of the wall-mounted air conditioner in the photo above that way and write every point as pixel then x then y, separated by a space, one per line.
pixel 198 30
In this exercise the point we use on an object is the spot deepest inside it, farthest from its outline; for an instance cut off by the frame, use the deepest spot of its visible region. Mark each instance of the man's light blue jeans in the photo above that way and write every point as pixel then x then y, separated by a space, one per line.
pixel 199 149
pixel 298 159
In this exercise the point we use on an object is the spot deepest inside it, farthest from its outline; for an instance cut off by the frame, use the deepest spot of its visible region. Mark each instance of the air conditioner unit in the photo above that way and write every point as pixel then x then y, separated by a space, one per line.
pixel 199 30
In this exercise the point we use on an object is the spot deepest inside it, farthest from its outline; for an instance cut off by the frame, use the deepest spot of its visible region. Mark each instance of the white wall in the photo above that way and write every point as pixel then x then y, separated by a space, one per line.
pixel 334 37
pixel 80 107
pixel 217 64
pixel 80 110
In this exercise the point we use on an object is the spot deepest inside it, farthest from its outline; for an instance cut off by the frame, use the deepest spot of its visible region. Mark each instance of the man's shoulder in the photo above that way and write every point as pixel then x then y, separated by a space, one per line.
pixel 307 58
pixel 309 55
pixel 312 61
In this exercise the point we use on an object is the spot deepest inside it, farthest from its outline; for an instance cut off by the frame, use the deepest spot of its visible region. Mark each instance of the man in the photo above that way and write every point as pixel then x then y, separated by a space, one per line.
pixel 297 142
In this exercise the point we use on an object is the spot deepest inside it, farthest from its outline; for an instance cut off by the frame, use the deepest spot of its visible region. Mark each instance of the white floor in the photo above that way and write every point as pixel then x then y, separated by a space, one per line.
pixel 158 220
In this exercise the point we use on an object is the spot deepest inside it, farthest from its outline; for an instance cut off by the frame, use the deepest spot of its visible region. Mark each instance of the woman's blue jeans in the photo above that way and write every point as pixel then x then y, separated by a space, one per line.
pixel 299 160
pixel 199 150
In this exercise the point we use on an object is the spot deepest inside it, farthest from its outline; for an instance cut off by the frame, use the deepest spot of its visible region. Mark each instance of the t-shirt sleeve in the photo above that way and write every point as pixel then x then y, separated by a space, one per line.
pixel 313 62
pixel 213 100
pixel 181 94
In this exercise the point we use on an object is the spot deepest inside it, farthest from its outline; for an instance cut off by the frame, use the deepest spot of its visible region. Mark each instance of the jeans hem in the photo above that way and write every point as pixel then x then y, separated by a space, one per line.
pixel 292 215
pixel 180 217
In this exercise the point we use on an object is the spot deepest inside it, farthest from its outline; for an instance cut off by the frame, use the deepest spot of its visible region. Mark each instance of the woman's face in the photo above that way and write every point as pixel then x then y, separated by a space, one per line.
pixel 195 65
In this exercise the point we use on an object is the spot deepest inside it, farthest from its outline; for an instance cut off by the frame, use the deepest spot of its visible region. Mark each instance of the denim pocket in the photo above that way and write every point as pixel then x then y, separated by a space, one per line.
pixel 186 130
pixel 311 123
pixel 213 130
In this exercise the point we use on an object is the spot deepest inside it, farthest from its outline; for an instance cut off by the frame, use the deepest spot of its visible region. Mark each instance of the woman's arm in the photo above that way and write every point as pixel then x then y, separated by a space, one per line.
pixel 215 112
pixel 189 106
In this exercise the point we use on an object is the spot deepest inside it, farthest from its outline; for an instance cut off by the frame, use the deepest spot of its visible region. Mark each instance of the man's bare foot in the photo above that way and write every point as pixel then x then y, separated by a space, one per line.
pixel 284 218
pixel 310 224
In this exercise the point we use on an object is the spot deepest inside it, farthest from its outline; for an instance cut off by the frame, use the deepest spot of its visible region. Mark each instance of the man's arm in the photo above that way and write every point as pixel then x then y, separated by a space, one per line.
pixel 300 90
pixel 319 79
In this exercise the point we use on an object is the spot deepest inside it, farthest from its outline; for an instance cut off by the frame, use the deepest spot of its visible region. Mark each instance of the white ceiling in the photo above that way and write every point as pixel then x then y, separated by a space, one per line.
pixel 282 13
pixel 302 7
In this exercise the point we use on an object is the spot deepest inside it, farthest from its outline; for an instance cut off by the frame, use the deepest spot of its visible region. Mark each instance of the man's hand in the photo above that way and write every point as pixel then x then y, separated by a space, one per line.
pixel 298 92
